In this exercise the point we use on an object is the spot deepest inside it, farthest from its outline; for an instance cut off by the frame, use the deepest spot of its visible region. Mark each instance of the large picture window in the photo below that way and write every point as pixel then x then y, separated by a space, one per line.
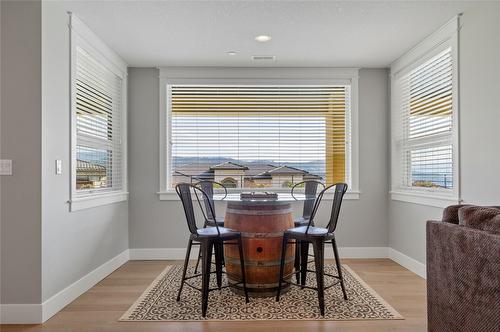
pixel 258 136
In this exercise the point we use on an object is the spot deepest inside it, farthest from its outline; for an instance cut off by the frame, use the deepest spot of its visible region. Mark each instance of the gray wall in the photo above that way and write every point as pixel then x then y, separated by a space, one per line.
pixel 74 243
pixel 161 224
pixel 407 227
pixel 480 104
pixel 479 135
pixel 21 112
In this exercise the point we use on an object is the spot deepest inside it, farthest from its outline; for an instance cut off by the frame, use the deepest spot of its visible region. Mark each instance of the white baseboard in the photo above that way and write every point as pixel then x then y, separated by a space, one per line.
pixel 39 313
pixel 180 253
pixel 408 262
pixel 54 304
pixel 20 313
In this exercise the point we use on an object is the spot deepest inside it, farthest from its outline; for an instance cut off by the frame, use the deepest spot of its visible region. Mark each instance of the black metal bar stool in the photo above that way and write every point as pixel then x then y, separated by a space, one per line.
pixel 208 238
pixel 317 236
pixel 310 191
pixel 208 186
pixel 210 217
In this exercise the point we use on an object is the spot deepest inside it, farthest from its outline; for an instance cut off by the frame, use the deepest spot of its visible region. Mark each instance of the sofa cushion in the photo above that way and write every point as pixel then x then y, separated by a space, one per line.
pixel 483 218
pixel 450 214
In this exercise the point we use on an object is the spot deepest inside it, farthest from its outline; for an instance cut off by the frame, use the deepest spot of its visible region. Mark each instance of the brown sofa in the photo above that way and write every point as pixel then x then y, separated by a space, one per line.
pixel 463 270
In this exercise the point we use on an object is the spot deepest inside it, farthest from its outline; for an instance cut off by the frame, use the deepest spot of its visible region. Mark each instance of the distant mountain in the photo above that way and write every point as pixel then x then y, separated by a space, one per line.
pixel 209 160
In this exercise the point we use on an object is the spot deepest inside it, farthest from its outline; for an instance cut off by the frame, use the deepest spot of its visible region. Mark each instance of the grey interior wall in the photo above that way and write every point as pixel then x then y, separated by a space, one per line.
pixel 479 84
pixel 480 104
pixel 20 131
pixel 74 243
pixel 161 224
pixel 407 227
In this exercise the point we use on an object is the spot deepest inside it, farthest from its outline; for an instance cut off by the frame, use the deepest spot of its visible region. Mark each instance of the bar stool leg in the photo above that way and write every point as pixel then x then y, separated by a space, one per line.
pixel 282 265
pixel 206 258
pixel 304 253
pixel 197 262
pixel 186 261
pixel 319 252
pixel 242 264
pixel 297 264
pixel 218 263
pixel 339 268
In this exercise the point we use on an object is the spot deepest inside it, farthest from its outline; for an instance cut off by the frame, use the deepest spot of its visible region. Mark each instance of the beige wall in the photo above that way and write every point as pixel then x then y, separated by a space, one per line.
pixel 238 175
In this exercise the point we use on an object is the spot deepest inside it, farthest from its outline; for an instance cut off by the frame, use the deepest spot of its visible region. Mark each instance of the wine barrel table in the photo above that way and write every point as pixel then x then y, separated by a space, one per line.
pixel 261 223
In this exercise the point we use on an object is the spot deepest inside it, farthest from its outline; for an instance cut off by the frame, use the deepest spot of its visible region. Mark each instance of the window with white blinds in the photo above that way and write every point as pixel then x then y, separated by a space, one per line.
pixel 425 100
pixel 98 113
pixel 258 136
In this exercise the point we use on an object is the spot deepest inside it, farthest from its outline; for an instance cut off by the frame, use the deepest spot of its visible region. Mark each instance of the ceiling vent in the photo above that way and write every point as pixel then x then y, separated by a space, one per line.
pixel 263 57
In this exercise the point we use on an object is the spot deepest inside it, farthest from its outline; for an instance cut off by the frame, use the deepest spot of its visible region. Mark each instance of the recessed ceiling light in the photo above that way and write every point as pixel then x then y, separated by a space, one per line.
pixel 231 53
pixel 263 38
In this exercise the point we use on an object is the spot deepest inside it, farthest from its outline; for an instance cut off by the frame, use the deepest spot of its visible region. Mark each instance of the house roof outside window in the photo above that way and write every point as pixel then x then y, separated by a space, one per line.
pixel 252 171
pixel 282 170
pixel 85 168
pixel 228 165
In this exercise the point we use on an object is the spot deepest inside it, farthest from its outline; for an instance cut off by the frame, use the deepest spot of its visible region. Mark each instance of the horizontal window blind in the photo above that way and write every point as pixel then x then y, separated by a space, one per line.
pixel 427 121
pixel 249 136
pixel 98 126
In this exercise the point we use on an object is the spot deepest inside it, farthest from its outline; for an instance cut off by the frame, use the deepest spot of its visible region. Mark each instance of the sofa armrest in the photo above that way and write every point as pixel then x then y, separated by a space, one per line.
pixel 463 278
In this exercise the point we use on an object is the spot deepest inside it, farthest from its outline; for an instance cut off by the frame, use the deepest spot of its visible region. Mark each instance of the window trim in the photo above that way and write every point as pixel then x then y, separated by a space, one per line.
pixel 443 38
pixel 222 75
pixel 83 37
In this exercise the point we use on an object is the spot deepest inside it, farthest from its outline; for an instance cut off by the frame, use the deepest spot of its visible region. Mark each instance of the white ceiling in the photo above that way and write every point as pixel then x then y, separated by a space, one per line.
pixel 304 33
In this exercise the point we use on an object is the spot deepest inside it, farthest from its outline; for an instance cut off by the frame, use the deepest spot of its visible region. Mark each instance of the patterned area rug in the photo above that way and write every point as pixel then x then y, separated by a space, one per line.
pixel 157 303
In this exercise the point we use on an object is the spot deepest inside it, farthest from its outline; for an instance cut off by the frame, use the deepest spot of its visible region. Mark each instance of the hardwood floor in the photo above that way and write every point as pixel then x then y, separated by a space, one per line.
pixel 100 307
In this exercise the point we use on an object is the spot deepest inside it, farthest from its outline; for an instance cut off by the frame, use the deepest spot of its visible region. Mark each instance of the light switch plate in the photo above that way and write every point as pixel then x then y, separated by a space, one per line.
pixel 58 167
pixel 5 167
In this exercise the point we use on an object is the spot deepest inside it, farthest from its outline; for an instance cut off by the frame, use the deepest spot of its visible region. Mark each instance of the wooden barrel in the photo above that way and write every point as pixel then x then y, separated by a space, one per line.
pixel 262 225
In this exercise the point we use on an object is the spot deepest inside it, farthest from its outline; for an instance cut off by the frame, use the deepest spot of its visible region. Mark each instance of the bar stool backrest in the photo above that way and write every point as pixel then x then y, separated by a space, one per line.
pixel 340 190
pixel 186 191
pixel 208 187
pixel 310 190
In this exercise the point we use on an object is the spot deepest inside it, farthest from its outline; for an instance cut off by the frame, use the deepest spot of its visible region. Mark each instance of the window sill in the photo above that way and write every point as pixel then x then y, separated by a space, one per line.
pixel 424 198
pixel 172 195
pixel 87 202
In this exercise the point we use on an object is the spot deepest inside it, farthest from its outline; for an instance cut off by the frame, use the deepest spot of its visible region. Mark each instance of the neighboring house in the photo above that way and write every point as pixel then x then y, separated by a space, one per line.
pixel 286 176
pixel 249 175
pixel 90 175
pixel 231 175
